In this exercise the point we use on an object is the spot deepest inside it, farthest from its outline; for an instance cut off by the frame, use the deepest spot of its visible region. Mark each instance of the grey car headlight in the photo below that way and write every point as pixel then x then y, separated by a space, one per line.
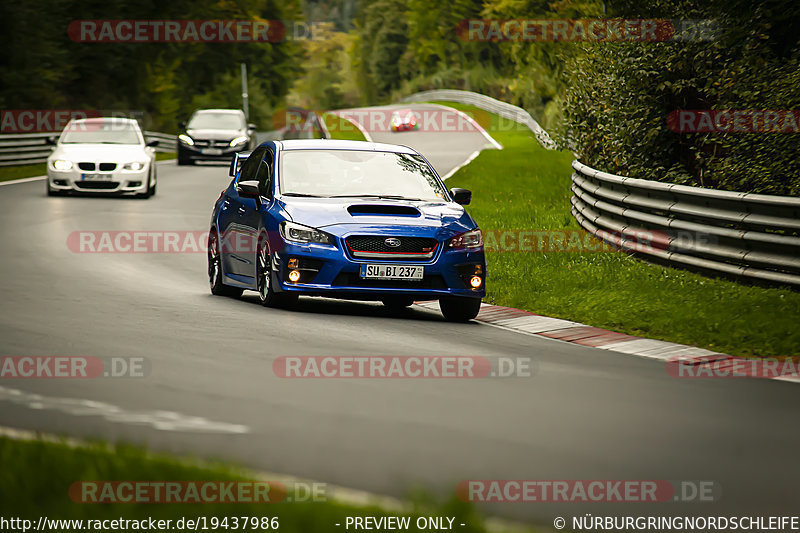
pixel 299 234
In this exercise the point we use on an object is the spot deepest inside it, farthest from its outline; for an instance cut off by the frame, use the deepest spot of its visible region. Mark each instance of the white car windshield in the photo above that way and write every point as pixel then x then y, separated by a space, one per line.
pixel 216 121
pixel 357 173
pixel 101 132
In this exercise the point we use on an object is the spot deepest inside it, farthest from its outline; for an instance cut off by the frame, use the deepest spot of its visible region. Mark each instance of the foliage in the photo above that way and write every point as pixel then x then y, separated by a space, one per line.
pixel 601 287
pixel 41 68
pixel 327 81
pixel 618 97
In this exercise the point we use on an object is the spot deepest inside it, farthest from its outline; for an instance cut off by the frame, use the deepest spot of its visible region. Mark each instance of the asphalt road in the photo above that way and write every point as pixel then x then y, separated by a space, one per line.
pixel 211 391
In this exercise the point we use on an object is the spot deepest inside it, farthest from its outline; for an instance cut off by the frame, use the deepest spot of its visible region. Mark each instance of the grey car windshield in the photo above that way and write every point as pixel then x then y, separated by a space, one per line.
pixel 101 132
pixel 357 173
pixel 216 121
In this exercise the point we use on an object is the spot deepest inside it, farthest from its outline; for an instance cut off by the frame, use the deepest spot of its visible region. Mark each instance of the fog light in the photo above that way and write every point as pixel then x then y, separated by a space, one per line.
pixel 476 282
pixel 294 276
pixel 294 262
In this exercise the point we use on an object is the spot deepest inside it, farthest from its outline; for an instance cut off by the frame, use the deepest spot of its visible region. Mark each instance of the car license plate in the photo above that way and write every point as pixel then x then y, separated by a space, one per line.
pixel 403 272
pixel 96 177
pixel 211 151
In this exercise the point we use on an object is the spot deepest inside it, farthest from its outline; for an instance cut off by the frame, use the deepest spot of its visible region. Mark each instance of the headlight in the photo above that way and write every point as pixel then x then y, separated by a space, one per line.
pixel 133 166
pixel 469 239
pixel 185 139
pixel 238 140
pixel 298 233
pixel 61 164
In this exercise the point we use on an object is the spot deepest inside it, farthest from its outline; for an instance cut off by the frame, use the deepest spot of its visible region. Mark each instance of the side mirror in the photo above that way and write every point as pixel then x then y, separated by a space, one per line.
pixel 236 162
pixel 50 141
pixel 152 143
pixel 461 196
pixel 182 124
pixel 248 189
pixel 251 127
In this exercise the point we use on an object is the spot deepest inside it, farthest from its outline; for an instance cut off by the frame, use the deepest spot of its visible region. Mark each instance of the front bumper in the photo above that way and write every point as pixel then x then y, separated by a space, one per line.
pixel 113 182
pixel 330 271
pixel 195 153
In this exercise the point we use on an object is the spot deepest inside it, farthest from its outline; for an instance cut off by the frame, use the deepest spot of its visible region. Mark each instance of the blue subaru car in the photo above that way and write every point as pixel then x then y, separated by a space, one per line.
pixel 345 219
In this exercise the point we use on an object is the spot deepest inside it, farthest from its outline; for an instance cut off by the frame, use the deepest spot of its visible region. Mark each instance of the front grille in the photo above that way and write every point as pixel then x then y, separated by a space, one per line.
pixel 352 279
pixel 203 143
pixel 86 166
pixel 107 167
pixel 376 247
pixel 101 185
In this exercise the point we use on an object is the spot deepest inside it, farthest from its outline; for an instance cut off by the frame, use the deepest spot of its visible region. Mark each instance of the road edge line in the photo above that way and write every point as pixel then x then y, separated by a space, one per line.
pixel 344 495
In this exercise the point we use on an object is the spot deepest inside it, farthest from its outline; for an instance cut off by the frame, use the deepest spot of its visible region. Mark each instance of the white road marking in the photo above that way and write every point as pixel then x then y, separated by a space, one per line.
pixel 22 180
pixel 161 420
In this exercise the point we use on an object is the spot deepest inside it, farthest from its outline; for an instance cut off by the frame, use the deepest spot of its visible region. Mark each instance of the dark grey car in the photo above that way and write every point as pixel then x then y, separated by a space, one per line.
pixel 214 135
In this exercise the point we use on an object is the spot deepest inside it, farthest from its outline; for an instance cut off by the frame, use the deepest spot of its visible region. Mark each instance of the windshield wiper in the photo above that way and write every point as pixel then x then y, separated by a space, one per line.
pixel 303 195
pixel 382 196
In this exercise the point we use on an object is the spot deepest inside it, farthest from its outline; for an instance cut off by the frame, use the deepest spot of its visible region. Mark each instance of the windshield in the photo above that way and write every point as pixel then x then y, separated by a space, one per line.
pixel 216 121
pixel 356 173
pixel 101 132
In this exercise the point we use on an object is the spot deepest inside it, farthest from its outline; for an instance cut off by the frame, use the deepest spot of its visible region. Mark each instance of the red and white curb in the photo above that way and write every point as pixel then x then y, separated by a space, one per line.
pixel 529 323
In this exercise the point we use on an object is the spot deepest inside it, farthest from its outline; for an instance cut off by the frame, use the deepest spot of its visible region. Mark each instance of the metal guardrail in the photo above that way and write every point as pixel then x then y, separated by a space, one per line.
pixel 750 235
pixel 487 103
pixel 31 148
pixel 24 148
pixel 741 234
pixel 166 142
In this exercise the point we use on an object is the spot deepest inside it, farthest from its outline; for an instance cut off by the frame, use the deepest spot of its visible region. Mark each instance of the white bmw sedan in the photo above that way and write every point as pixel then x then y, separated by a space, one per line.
pixel 102 155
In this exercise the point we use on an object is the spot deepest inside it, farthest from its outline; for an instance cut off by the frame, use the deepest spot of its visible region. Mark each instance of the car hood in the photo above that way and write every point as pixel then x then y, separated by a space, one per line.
pixel 342 216
pixel 100 152
pixel 217 135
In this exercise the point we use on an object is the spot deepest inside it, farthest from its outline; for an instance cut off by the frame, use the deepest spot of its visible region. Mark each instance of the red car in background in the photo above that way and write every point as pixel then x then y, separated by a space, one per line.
pixel 404 120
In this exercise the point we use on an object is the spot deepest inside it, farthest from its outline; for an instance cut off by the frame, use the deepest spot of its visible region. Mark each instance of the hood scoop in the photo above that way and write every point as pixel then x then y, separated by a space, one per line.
pixel 383 210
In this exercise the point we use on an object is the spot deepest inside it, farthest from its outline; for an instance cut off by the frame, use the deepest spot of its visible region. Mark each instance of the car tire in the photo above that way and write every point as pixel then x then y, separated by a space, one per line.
pixel 151 188
pixel 268 297
pixel 459 308
pixel 148 191
pixel 398 303
pixel 215 269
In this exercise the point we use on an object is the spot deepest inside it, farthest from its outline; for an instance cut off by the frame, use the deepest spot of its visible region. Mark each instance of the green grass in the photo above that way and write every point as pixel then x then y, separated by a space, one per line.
pixel 37 476
pixel 40 169
pixel 525 187
pixel 22 171
pixel 342 128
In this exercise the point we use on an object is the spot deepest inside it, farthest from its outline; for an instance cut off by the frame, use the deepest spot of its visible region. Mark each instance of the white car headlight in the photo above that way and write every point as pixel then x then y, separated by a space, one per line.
pixel 136 165
pixel 185 139
pixel 238 140
pixel 62 164
pixel 297 233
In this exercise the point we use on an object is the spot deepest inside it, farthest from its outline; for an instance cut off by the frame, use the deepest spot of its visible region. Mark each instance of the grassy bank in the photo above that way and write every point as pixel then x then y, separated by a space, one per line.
pixel 525 187
pixel 342 128
pixel 37 476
